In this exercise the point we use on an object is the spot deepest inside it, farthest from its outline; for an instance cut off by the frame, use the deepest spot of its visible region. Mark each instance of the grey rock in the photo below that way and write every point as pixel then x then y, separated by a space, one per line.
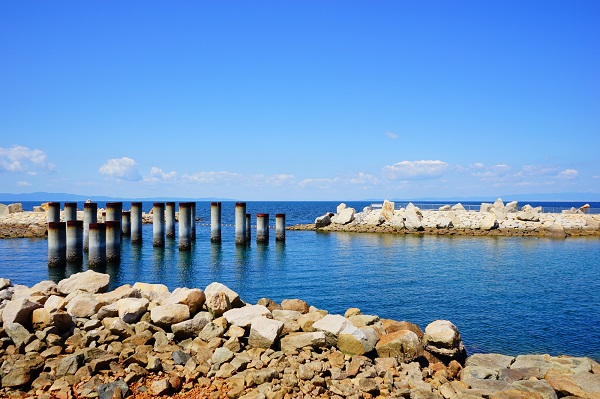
pixel 18 334
pixel 493 361
pixel 107 391
pixel 180 357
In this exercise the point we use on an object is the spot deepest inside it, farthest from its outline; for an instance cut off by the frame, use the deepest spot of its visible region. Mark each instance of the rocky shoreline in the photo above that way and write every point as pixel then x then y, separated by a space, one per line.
pixel 76 340
pixel 497 219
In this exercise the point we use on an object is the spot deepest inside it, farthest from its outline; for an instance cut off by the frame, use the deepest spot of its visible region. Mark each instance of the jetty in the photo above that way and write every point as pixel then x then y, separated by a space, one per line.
pixel 77 339
pixel 487 219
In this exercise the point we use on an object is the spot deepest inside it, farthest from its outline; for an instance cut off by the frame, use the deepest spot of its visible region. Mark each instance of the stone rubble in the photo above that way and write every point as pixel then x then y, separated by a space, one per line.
pixel 76 340
pixel 495 219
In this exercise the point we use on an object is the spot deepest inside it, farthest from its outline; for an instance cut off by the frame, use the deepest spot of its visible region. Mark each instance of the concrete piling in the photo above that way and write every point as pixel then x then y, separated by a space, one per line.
pixel 57 244
pixel 193 220
pixel 70 212
pixel 136 222
pixel 113 241
pixel 215 222
pixel 126 223
pixel 240 223
pixel 170 219
pixel 90 215
pixel 97 251
pixel 280 227
pixel 185 231
pixel 158 224
pixel 114 211
pixel 74 240
pixel 53 212
pixel 262 228
pixel 248 229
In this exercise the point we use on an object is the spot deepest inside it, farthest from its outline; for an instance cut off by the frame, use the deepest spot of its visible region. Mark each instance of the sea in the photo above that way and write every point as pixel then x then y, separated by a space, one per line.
pixel 509 295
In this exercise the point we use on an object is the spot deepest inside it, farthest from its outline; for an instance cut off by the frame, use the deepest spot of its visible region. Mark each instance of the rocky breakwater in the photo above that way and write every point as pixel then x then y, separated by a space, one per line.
pixel 74 339
pixel 497 219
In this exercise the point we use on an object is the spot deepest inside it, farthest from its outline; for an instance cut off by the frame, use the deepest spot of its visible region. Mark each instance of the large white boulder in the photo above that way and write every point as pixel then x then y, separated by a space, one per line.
pixel 243 317
pixel 88 281
pixel 264 332
pixel 345 216
pixel 387 210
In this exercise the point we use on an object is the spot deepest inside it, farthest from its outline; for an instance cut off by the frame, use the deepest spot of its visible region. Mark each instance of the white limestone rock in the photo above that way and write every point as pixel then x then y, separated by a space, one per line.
pixel 489 222
pixel 243 317
pixel 264 332
pixel 194 298
pixel 19 311
pixel 132 309
pixel 88 281
pixel 387 210
pixel 345 216
pixel 166 315
pixel 295 341
pixel 234 298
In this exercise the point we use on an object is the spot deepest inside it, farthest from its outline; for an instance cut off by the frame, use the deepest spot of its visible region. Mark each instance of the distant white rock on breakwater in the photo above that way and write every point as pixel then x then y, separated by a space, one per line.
pixel 491 219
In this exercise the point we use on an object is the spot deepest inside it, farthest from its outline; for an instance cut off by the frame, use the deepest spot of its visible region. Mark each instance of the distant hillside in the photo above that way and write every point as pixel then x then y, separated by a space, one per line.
pixel 61 197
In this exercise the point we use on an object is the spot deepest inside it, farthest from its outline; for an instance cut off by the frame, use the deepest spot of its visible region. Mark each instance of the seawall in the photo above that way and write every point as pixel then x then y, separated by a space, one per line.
pixel 75 339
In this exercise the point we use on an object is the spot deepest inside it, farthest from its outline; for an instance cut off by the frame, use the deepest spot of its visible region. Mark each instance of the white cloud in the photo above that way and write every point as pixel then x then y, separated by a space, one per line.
pixel 477 165
pixel 362 179
pixel 21 159
pixel 537 170
pixel 494 172
pixel 568 174
pixel 23 184
pixel 157 175
pixel 121 168
pixel 391 135
pixel 273 180
pixel 211 177
pixel 409 170
pixel 595 177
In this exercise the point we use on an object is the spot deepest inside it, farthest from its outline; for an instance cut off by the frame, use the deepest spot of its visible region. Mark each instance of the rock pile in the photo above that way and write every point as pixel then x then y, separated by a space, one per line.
pixel 75 339
pixel 491 219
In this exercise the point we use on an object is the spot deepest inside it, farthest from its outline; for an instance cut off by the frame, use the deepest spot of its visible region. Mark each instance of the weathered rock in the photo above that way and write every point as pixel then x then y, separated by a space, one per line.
pixel 243 317
pixel 124 291
pixel 191 328
pixel 293 342
pixel 528 215
pixel 18 334
pixel 85 305
pixel 391 326
pixel 323 221
pixel 69 365
pixel 306 321
pixel 264 332
pixel 88 281
pixel 194 298
pixel 442 338
pixel 54 303
pixel 403 345
pixel 489 222
pixel 512 207
pixel 217 303
pixel 165 315
pixel 132 309
pixel 345 216
pixel 44 288
pixel 109 390
pixel 19 311
pixel 458 208
pixel 221 355
pixel 357 341
pixel 387 210
pixel 492 361
pixel 232 296
pixel 414 219
pixel 295 304
pixel 117 327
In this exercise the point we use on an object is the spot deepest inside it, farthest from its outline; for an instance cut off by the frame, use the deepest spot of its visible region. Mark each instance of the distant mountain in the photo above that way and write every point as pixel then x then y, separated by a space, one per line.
pixel 61 197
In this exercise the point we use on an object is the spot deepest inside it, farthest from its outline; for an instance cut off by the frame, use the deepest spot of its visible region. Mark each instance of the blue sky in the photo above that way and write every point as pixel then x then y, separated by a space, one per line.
pixel 300 100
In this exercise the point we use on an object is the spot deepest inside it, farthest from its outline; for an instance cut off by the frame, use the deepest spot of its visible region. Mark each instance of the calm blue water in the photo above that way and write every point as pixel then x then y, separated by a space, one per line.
pixel 507 295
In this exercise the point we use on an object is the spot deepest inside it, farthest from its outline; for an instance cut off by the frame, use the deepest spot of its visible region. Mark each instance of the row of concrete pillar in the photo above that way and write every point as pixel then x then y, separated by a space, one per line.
pixel 67 240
